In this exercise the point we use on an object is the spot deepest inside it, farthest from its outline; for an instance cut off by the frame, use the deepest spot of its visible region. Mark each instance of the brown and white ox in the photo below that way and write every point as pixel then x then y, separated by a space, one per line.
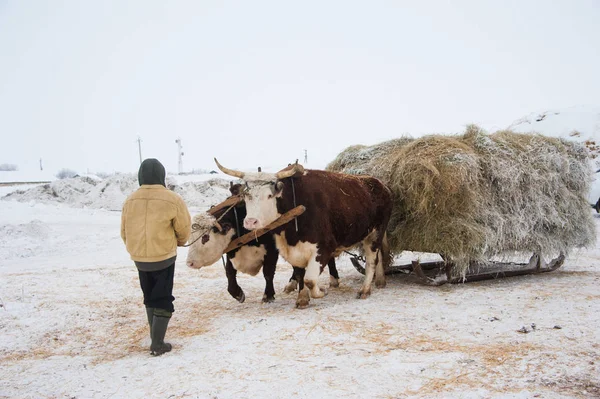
pixel 209 242
pixel 342 211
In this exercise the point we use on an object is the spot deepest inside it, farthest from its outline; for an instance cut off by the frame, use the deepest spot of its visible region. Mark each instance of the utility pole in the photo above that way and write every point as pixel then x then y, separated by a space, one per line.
pixel 305 156
pixel 179 155
pixel 139 141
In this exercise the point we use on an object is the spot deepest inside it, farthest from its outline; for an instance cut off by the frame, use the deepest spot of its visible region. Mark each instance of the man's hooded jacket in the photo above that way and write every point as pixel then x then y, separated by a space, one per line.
pixel 154 220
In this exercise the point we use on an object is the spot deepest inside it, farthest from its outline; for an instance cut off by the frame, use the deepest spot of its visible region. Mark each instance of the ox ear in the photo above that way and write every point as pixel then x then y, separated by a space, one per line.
pixel 278 189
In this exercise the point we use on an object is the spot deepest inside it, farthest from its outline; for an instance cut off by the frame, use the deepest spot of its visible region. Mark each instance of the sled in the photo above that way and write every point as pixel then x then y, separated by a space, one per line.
pixel 432 273
pixel 440 272
pixel 476 197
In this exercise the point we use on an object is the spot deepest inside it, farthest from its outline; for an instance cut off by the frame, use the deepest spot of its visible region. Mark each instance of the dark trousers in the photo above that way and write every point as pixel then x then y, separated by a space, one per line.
pixel 158 288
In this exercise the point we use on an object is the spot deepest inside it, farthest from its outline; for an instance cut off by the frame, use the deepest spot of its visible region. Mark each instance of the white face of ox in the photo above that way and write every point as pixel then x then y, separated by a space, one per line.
pixel 261 206
pixel 208 242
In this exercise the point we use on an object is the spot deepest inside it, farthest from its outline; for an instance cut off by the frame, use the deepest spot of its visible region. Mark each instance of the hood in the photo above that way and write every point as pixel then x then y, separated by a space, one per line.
pixel 151 172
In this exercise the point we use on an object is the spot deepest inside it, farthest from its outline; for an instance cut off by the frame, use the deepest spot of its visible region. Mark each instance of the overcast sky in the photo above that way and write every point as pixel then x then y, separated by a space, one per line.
pixel 254 83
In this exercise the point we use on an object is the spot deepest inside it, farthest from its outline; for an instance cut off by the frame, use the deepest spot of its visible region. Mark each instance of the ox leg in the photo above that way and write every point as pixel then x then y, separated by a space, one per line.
pixel 232 285
pixel 374 260
pixel 382 262
pixel 293 283
pixel 311 278
pixel 303 294
pixel 269 265
pixel 334 278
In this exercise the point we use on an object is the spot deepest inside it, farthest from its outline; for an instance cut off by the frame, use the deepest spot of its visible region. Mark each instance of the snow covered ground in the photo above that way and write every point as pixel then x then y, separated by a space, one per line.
pixel 72 325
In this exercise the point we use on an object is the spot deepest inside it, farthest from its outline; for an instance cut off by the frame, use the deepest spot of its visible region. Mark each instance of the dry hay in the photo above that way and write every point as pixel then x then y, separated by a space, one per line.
pixel 375 160
pixel 475 196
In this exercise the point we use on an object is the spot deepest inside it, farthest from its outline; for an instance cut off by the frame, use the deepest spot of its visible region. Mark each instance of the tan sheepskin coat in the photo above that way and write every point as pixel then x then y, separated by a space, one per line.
pixel 154 222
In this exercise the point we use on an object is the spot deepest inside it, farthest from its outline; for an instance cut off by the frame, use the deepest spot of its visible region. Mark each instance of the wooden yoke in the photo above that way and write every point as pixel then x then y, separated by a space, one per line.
pixel 281 220
pixel 233 200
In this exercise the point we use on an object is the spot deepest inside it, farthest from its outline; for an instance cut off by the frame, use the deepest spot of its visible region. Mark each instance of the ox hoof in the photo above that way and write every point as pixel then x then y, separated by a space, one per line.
pixel 363 294
pixel 241 298
pixel 290 287
pixel 333 282
pixel 268 299
pixel 303 299
pixel 302 304
pixel 380 283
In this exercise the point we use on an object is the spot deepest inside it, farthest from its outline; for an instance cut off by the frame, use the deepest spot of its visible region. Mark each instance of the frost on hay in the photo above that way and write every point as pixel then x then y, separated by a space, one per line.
pixel 475 196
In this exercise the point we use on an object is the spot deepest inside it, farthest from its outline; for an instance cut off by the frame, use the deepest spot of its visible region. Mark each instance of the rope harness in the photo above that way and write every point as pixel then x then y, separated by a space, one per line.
pixel 196 226
pixel 294 195
pixel 237 222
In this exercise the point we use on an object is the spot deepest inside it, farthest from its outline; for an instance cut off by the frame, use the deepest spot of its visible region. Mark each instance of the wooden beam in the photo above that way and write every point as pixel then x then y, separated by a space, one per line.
pixel 233 200
pixel 280 221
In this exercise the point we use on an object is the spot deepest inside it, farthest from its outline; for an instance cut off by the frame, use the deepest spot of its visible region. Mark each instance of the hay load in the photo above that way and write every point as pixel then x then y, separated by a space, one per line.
pixel 476 196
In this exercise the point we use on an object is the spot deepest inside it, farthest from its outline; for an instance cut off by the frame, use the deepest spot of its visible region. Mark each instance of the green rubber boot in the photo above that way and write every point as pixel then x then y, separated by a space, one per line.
pixel 150 315
pixel 159 330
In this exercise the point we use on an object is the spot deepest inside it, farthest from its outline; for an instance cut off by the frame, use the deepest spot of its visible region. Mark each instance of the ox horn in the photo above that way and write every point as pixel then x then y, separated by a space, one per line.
pixel 230 172
pixel 297 168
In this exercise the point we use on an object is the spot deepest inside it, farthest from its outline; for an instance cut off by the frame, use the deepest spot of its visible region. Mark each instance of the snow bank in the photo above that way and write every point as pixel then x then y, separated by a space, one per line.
pixel 180 179
pixel 203 193
pixel 110 193
pixel 578 123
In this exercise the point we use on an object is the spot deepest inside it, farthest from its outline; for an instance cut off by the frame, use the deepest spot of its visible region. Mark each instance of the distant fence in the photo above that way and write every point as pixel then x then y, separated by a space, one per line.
pixel 18 183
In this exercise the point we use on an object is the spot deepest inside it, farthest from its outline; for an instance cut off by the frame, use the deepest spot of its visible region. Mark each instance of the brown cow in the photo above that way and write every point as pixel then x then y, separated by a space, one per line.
pixel 341 212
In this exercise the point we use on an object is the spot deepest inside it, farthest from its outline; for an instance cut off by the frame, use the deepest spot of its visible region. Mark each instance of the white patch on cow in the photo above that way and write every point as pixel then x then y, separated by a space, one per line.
pixel 298 255
pixel 311 279
pixel 261 205
pixel 205 254
pixel 374 262
pixel 249 259
pixel 303 254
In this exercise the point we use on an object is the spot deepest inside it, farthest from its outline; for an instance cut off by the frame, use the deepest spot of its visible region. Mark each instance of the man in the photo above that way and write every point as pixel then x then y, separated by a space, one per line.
pixel 154 222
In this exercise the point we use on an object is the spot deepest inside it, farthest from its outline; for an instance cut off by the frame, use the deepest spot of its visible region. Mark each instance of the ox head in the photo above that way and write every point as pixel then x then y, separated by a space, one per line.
pixel 261 193
pixel 209 239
